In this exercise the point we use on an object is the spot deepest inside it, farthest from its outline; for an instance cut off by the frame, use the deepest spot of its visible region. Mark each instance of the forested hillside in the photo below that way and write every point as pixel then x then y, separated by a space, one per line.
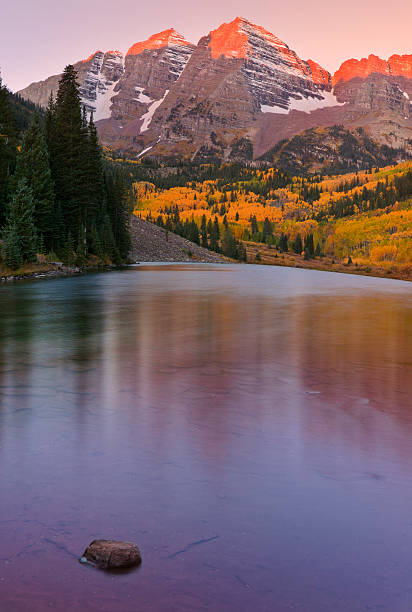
pixel 364 218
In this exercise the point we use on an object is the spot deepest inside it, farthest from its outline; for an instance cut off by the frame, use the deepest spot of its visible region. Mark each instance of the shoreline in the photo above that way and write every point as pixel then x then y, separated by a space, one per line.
pixel 270 257
pixel 45 273
pixel 283 260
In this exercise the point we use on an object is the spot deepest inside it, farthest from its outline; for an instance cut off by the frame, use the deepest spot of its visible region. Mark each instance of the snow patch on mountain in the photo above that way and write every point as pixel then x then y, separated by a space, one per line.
pixel 141 97
pixel 99 84
pixel 148 116
pixel 104 102
pixel 305 105
pixel 143 152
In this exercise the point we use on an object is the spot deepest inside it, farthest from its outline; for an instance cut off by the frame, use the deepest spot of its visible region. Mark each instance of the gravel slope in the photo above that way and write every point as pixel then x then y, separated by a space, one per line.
pixel 149 244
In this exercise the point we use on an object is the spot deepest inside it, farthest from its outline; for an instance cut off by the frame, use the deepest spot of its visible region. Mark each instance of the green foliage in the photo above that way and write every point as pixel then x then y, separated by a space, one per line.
pixel 118 211
pixel 297 244
pixel 309 245
pixel 33 165
pixel 11 246
pixel 267 231
pixel 8 149
pixel 69 148
pixel 20 228
pixel 283 243
pixel 68 251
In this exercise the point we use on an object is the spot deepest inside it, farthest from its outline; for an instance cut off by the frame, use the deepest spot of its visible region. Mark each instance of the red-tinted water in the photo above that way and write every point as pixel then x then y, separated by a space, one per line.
pixel 250 428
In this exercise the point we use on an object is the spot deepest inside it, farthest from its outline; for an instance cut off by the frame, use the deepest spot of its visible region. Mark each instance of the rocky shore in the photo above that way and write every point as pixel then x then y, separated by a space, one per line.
pixel 152 243
pixel 44 272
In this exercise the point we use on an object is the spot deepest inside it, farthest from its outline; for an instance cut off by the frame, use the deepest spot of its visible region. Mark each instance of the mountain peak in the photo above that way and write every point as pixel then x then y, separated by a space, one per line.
pixel 101 53
pixel 163 39
pixel 401 65
pixel 320 76
pixel 232 39
pixel 229 40
pixel 353 68
pixel 88 59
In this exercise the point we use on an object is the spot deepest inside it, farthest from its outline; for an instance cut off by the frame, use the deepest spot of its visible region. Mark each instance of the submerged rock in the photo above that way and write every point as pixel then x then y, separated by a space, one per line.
pixel 108 554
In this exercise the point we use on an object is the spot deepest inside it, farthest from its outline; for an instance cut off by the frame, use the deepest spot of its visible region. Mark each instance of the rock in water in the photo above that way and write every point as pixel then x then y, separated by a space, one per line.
pixel 108 554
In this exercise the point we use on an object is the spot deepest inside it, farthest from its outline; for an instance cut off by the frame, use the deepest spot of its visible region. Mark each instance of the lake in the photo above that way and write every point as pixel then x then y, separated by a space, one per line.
pixel 248 427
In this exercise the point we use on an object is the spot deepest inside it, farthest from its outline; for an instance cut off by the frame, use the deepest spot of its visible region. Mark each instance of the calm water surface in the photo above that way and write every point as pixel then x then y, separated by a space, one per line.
pixel 250 428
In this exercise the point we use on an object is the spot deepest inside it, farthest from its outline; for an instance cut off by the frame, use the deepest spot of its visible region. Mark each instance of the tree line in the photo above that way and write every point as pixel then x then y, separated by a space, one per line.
pixel 58 197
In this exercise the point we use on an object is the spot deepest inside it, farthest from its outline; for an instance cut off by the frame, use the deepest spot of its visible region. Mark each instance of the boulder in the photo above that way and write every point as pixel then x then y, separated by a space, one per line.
pixel 108 554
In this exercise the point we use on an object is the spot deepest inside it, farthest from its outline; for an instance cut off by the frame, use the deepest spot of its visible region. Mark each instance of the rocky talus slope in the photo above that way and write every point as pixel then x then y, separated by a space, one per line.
pixel 150 243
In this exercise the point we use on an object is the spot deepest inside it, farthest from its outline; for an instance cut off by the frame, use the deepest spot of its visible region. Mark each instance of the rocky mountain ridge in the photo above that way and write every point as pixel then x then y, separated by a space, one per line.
pixel 234 95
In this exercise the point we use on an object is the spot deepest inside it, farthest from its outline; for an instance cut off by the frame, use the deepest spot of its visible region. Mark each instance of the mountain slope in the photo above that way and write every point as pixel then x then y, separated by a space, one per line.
pixel 332 150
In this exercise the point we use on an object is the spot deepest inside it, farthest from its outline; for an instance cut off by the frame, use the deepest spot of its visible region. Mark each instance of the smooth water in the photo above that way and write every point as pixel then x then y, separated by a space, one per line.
pixel 250 428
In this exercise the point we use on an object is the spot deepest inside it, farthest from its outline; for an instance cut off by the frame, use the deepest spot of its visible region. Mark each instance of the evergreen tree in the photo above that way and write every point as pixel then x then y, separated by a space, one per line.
pixel 283 243
pixel 94 179
pixel 68 253
pixel 309 245
pixel 297 244
pixel 96 246
pixel 214 236
pixel 11 246
pixel 267 230
pixel 254 226
pixel 81 250
pixel 203 232
pixel 33 165
pixel 50 125
pixel 58 238
pixel 68 148
pixel 20 222
pixel 229 247
pixel 108 242
pixel 241 252
pixel 8 150
pixel 118 214
pixel 216 228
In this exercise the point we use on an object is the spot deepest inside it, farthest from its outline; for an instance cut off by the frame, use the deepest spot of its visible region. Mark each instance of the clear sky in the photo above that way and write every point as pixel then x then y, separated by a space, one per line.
pixel 39 37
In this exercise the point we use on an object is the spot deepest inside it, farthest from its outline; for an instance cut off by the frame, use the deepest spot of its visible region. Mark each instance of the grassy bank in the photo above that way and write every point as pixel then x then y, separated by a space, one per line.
pixel 268 255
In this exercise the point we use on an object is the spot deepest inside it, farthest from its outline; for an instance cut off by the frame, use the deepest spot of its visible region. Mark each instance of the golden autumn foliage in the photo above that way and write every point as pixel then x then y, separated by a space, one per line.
pixel 380 236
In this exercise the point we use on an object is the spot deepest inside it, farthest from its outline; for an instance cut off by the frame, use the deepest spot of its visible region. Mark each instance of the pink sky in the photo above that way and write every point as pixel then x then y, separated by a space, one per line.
pixel 39 38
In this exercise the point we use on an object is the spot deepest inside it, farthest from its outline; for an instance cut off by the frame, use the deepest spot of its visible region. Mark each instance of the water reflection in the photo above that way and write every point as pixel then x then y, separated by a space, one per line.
pixel 257 419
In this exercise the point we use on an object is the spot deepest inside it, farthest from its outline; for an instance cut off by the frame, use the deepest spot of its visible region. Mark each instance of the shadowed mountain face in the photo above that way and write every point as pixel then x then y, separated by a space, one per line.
pixel 234 95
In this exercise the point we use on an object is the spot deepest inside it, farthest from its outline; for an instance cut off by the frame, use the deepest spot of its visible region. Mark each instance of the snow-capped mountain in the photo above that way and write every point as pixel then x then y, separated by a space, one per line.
pixel 101 78
pixel 151 68
pixel 236 73
pixel 233 95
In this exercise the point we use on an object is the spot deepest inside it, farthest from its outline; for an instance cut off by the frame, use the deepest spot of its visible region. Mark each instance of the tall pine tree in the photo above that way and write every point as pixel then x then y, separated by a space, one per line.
pixel 94 181
pixel 8 150
pixel 33 165
pixel 118 212
pixel 20 228
pixel 68 150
